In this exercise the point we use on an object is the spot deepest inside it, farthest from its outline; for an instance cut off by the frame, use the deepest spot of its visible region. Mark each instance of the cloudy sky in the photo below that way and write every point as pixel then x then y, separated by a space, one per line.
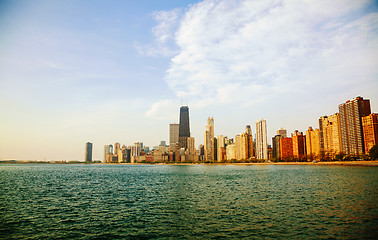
pixel 108 71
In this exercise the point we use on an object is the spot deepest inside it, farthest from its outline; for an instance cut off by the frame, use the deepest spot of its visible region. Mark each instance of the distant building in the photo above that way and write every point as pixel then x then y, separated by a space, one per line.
pixel 261 140
pixel 117 146
pixel 184 127
pixel 221 145
pixel 286 148
pixel 237 147
pixel 191 145
pixel 351 113
pixel 88 152
pixel 370 130
pixel 230 152
pixel 108 149
pixel 313 148
pixel 330 136
pixel 173 134
pixel 209 140
pixel 276 146
pixel 282 132
pixel 299 144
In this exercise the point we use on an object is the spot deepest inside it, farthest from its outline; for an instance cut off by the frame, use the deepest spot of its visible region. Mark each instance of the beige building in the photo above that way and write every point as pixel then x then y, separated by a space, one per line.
pixel 313 148
pixel 330 137
pixel 209 140
pixel 191 145
pixel 221 144
pixel 370 130
pixel 230 151
pixel 237 147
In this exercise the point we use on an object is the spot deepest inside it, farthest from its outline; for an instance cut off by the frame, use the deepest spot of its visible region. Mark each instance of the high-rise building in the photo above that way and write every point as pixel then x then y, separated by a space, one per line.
pixel 276 142
pixel 209 140
pixel 237 147
pixel 173 135
pixel 184 128
pixel 88 152
pixel 351 113
pixel 282 132
pixel 191 145
pixel 108 149
pixel 286 148
pixel 299 144
pixel 261 140
pixel 313 143
pixel 230 152
pixel 370 130
pixel 248 130
pixel 221 146
pixel 117 147
pixel 330 136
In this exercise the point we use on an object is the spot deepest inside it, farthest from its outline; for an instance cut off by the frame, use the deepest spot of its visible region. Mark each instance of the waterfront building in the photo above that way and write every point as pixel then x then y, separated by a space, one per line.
pixel 117 146
pixel 370 130
pixel 230 152
pixel 261 140
pixel 184 127
pixel 244 146
pixel 282 132
pixel 221 145
pixel 209 140
pixel 286 148
pixel 237 147
pixel 351 113
pixel 191 145
pixel 248 130
pixel 276 143
pixel 330 136
pixel 88 152
pixel 299 144
pixel 313 148
pixel 173 134
pixel 108 149
pixel 136 151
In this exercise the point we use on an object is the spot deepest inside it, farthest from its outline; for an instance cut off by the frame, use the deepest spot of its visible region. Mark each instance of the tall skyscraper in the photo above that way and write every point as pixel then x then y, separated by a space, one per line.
pixel 261 140
pixel 313 143
pixel 173 135
pixel 88 152
pixel 117 147
pixel 299 143
pixel 108 149
pixel 351 113
pixel 221 148
pixel 209 140
pixel 184 128
pixel 370 130
pixel 330 136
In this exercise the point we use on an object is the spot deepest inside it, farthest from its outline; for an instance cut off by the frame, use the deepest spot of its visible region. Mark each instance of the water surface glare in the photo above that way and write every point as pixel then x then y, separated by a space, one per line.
pixel 51 201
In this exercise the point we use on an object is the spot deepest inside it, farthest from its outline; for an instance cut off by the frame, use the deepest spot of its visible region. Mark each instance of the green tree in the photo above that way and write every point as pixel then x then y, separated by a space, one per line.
pixel 373 153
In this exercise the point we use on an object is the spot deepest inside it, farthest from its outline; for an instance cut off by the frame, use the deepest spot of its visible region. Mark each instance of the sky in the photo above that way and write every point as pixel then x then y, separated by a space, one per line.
pixel 116 71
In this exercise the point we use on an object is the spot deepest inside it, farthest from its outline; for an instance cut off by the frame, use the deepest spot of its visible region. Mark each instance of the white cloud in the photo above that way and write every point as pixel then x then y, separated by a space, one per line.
pixel 230 48
pixel 162 110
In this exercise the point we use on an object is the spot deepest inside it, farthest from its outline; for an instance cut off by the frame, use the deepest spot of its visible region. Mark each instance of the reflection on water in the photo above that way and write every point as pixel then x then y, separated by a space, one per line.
pixel 157 201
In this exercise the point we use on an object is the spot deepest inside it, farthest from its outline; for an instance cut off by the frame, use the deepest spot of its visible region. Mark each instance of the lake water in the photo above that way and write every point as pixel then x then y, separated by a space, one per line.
pixel 187 202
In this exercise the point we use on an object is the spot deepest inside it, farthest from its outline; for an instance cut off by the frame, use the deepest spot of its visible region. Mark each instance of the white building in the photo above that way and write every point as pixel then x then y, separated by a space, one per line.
pixel 261 140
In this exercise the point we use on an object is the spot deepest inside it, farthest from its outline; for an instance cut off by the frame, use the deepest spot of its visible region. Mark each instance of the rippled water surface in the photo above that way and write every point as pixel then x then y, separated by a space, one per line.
pixel 195 202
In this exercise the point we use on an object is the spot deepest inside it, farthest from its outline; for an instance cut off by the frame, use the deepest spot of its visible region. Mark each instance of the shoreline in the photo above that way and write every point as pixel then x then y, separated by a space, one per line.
pixel 333 163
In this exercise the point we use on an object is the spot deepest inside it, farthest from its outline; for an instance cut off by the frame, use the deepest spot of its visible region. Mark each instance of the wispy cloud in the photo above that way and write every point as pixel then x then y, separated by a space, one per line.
pixel 245 51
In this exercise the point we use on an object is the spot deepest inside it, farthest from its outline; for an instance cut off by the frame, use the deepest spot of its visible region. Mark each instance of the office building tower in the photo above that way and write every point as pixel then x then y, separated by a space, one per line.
pixel 184 128
pixel 370 130
pixel 117 146
pixel 221 144
pixel 209 140
pixel 313 148
pixel 191 145
pixel 230 151
pixel 248 130
pixel 108 149
pixel 237 147
pixel 173 135
pixel 286 148
pixel 276 146
pixel 88 152
pixel 261 140
pixel 330 136
pixel 351 113
pixel 282 132
pixel 299 144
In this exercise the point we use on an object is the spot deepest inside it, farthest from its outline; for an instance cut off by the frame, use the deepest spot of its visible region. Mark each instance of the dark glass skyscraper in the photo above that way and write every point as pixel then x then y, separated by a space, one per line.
pixel 88 152
pixel 184 129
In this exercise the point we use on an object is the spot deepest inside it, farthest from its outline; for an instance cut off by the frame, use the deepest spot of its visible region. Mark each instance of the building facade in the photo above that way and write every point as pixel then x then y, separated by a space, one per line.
pixel 209 140
pixel 330 136
pixel 313 148
pixel 299 144
pixel 261 140
pixel 88 152
pixel 173 134
pixel 370 131
pixel 184 127
pixel 351 113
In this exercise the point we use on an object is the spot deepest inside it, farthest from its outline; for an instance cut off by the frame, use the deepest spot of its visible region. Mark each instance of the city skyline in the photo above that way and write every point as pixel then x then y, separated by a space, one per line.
pixel 73 72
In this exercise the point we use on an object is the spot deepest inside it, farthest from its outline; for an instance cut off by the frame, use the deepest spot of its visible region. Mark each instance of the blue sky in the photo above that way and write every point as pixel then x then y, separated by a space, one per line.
pixel 108 71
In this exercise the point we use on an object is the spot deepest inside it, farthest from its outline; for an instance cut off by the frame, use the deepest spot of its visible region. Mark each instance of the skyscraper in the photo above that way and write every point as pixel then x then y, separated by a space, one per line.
pixel 351 113
pixel 108 149
pixel 184 128
pixel 261 140
pixel 313 143
pixel 173 135
pixel 276 143
pixel 88 152
pixel 370 129
pixel 209 140
pixel 299 143
pixel 330 136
